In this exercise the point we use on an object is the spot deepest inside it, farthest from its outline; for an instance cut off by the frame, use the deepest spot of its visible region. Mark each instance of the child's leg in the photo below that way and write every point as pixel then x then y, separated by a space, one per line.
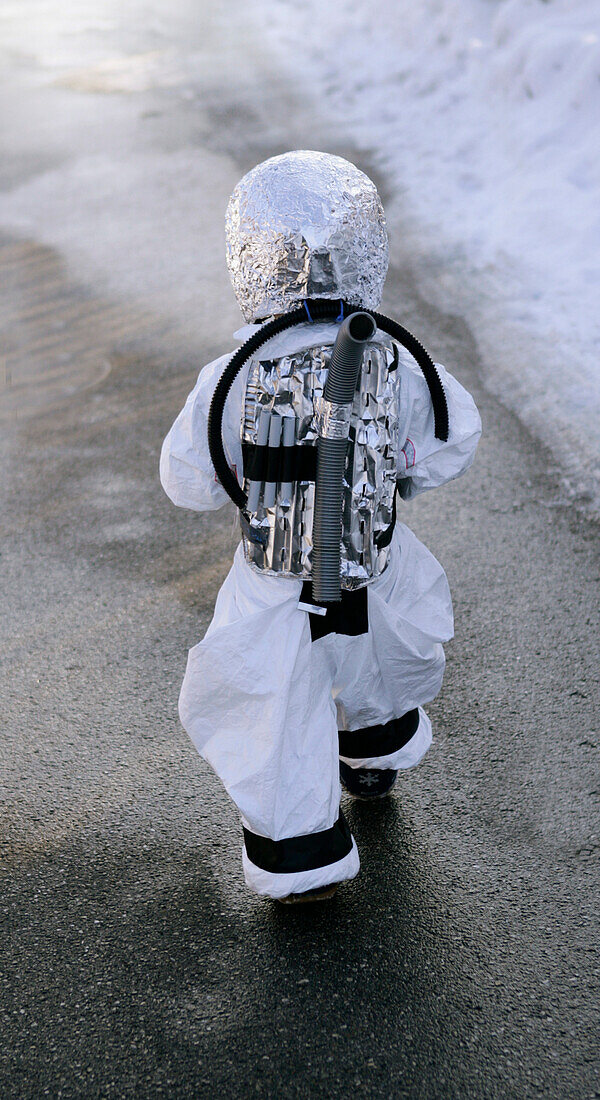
pixel 395 745
pixel 385 676
pixel 257 703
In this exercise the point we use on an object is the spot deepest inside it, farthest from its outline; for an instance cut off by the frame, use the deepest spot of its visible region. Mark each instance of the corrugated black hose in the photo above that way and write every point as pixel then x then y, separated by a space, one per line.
pixel 320 309
pixel 332 444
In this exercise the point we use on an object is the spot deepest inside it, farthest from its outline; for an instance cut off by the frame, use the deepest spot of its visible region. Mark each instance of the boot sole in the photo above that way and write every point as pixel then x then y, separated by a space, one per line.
pixel 315 895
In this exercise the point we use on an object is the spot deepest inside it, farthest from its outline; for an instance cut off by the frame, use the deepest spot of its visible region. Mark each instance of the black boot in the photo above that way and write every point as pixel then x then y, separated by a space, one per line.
pixel 367 783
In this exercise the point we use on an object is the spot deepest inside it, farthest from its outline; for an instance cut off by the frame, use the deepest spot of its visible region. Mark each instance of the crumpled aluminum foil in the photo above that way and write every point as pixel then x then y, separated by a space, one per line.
pixel 332 420
pixel 293 386
pixel 305 225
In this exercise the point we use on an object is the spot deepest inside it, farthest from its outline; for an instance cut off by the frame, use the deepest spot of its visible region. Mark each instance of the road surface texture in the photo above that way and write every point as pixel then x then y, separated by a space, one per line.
pixel 463 962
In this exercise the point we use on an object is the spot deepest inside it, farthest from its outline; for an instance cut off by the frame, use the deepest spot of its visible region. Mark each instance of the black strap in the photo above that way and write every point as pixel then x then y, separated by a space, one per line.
pixel 301 460
pixel 350 616
pixel 255 461
pixel 380 740
pixel 299 853
pixel 272 473
pixel 297 464
pixel 288 465
pixel 383 538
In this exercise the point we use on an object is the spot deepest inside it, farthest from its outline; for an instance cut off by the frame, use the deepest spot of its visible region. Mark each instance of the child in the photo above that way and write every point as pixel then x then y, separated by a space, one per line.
pixel 283 696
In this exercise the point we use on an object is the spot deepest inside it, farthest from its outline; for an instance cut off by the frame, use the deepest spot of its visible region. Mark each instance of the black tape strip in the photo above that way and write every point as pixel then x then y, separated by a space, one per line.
pixel 383 538
pixel 272 473
pixel 349 616
pixel 299 853
pixel 288 465
pixel 394 364
pixel 304 459
pixel 255 463
pixel 379 740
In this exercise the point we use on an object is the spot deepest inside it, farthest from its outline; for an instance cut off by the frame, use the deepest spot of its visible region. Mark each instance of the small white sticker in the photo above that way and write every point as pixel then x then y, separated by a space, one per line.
pixel 312 609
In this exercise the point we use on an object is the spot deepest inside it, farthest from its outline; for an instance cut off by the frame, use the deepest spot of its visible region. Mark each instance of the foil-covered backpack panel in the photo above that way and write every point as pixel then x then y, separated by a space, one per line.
pixel 282 406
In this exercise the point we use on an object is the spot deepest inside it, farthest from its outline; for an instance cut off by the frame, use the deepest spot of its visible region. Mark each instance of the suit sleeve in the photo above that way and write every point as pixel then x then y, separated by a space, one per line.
pixel 186 471
pixel 424 462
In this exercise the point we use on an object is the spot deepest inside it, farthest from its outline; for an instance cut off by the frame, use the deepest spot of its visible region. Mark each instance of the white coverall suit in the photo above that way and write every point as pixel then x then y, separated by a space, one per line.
pixel 273 710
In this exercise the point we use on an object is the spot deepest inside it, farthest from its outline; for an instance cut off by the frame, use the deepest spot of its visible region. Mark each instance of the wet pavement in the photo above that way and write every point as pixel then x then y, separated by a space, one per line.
pixel 464 959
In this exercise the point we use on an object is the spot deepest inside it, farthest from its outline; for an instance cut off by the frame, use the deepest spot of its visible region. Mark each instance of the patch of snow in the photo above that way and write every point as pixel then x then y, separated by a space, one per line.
pixel 486 118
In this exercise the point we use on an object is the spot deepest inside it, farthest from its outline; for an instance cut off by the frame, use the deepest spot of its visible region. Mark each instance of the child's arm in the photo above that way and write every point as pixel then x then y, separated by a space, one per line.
pixel 186 470
pixel 424 461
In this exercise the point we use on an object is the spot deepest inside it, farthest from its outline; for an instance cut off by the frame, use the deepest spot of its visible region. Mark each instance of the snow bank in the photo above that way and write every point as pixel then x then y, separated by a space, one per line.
pixel 486 118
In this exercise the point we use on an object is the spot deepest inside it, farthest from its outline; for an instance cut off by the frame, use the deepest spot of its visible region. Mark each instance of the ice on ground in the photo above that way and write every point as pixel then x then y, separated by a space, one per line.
pixel 486 118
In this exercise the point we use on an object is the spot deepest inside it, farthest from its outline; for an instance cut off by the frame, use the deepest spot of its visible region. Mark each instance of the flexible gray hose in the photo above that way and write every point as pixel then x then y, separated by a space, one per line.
pixel 332 444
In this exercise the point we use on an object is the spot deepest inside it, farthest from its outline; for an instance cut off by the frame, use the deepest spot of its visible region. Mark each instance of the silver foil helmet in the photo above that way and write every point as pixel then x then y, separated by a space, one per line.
pixel 305 225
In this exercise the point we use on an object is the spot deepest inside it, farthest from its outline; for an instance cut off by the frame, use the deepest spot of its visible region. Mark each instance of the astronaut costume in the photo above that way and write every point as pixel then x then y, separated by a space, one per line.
pixel 285 685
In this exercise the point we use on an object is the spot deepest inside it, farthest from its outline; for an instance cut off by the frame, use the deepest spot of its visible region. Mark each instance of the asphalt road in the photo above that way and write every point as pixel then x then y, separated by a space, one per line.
pixel 463 962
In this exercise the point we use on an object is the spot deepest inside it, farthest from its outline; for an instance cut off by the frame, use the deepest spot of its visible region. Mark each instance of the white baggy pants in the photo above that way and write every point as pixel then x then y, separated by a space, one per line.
pixel 264 704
